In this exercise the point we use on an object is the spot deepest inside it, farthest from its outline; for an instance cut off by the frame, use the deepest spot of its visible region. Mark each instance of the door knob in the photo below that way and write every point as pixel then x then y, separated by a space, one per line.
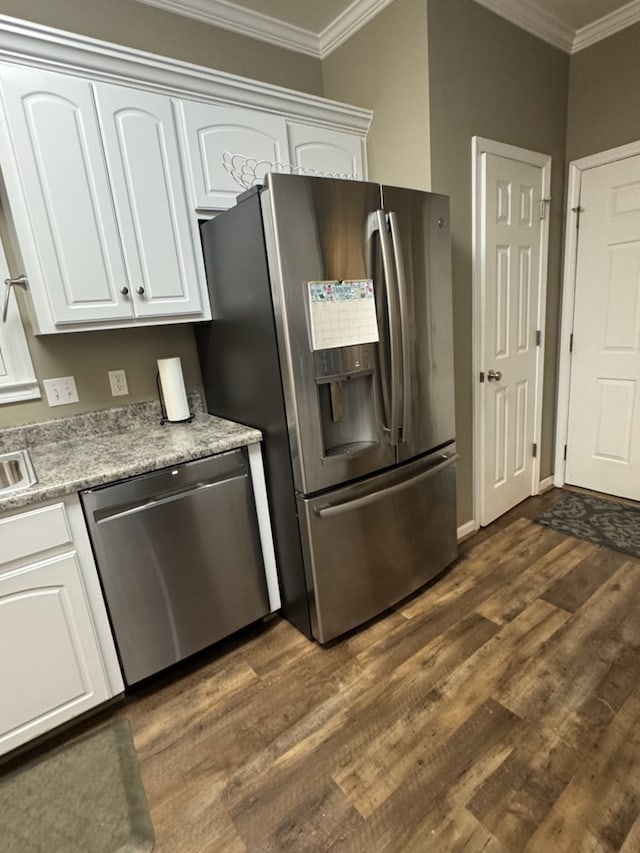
pixel 495 375
pixel 140 290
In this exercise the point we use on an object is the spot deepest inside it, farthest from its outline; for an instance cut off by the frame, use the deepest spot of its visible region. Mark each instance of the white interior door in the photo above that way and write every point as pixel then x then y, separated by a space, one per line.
pixel 603 439
pixel 512 260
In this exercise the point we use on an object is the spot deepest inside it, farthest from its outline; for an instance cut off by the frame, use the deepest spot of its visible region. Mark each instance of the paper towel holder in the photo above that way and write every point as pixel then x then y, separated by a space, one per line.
pixel 163 409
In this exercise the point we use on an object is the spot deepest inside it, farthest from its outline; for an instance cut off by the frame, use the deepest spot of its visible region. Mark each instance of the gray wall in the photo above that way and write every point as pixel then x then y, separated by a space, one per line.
pixel 384 67
pixel 604 95
pixel 492 79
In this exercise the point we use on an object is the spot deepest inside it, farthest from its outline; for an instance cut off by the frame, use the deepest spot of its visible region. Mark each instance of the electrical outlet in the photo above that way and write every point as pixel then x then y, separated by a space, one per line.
pixel 61 391
pixel 118 382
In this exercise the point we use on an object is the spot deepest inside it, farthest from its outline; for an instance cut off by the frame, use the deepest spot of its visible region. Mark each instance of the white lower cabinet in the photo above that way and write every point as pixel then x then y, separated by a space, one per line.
pixel 57 657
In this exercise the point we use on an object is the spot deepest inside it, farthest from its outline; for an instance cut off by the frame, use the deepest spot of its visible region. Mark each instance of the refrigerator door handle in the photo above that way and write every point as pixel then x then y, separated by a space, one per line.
pixel 378 224
pixel 404 323
pixel 357 503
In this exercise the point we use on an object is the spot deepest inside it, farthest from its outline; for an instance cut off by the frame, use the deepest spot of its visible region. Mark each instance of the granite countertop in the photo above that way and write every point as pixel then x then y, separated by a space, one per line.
pixel 69 454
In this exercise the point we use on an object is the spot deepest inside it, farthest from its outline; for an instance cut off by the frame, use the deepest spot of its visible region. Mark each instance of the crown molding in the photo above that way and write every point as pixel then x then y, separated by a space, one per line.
pixel 607 26
pixel 534 20
pixel 246 22
pixel 38 46
pixel 354 17
pixel 523 13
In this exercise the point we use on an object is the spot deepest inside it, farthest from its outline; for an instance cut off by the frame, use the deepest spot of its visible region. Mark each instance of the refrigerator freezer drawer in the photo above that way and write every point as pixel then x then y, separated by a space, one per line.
pixel 369 545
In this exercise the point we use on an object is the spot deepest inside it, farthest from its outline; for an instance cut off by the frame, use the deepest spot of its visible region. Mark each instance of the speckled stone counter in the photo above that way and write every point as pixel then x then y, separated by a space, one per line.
pixel 69 454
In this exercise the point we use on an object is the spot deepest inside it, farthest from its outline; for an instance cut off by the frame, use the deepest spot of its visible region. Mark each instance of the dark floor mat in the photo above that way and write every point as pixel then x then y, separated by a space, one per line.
pixel 599 520
pixel 84 797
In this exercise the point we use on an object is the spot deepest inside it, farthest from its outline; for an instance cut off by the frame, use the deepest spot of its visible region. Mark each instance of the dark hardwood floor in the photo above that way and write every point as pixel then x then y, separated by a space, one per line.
pixel 497 710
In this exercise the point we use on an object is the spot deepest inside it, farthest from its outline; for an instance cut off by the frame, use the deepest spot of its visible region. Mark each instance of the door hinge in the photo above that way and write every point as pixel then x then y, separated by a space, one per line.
pixel 538 338
pixel 481 376
pixel 543 207
pixel 577 210
pixel 565 453
pixel 571 342
pixel 535 450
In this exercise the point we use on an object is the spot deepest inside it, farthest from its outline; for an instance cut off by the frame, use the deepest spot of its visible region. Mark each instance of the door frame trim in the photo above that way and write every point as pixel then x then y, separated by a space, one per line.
pixel 568 290
pixel 479 147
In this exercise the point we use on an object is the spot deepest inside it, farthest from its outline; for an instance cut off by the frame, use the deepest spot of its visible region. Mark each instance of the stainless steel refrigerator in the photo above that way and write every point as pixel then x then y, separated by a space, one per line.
pixel 359 438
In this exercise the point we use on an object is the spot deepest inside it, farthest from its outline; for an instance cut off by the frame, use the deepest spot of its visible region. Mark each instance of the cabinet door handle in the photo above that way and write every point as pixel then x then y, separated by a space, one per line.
pixel 124 291
pixel 140 290
pixel 19 281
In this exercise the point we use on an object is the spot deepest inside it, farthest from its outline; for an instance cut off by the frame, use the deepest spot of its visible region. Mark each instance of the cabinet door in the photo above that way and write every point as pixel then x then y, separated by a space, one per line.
pixel 58 185
pixel 332 152
pixel 211 130
pixel 50 664
pixel 158 233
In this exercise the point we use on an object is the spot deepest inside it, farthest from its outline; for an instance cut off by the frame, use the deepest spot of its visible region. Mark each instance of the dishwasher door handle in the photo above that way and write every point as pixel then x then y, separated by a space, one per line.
pixel 115 513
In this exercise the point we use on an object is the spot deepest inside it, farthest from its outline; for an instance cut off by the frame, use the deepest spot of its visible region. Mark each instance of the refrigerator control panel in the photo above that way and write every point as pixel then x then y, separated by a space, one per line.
pixel 331 364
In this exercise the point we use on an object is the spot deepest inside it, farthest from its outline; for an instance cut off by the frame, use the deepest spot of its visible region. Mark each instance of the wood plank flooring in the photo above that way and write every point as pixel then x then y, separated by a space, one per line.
pixel 497 710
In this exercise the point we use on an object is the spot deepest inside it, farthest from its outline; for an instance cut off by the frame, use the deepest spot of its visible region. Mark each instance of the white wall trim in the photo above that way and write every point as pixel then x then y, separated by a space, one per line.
pixel 522 13
pixel 479 147
pixel 247 22
pixel 545 484
pixel 576 168
pixel 534 20
pixel 354 17
pixel 466 529
pixel 607 26
pixel 38 46
pixel 264 525
pixel 526 15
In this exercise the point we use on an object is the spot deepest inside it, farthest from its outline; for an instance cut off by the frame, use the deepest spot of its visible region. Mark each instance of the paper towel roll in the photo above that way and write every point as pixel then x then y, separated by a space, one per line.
pixel 173 390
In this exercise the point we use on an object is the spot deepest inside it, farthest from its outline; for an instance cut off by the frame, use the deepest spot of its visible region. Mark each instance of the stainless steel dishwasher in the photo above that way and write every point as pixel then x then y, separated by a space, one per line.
pixel 179 559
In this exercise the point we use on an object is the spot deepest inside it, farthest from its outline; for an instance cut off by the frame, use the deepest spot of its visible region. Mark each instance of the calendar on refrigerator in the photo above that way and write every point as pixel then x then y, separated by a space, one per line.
pixel 341 313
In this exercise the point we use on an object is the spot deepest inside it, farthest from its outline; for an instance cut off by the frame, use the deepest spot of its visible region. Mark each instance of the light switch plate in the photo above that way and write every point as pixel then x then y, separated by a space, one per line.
pixel 61 391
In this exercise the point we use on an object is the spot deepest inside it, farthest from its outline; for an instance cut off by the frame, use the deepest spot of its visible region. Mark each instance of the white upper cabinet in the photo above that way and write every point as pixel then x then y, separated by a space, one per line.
pixel 60 199
pixel 95 188
pixel 102 183
pixel 332 152
pixel 158 232
pixel 210 130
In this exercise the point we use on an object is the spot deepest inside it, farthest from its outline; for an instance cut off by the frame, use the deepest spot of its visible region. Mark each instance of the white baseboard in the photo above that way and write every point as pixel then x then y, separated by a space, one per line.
pixel 466 529
pixel 546 484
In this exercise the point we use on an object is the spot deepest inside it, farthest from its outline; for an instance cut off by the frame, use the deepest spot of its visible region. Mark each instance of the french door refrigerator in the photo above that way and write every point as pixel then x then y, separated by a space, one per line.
pixel 332 333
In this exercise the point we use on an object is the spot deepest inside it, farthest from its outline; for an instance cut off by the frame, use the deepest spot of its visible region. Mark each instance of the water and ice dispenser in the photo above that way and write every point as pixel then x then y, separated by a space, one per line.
pixel 343 337
pixel 345 382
